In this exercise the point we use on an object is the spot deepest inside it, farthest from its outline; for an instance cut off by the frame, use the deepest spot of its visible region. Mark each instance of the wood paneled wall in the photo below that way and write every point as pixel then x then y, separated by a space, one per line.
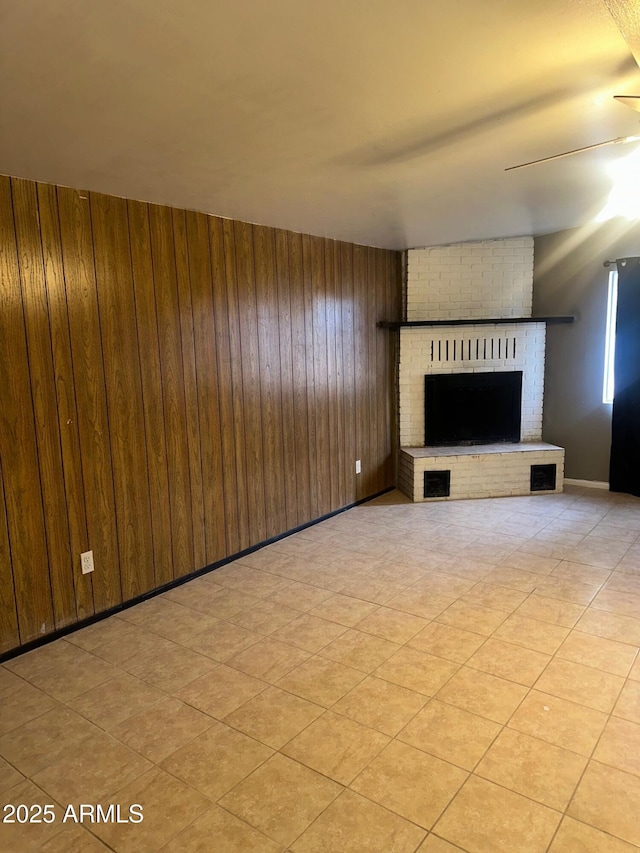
pixel 174 388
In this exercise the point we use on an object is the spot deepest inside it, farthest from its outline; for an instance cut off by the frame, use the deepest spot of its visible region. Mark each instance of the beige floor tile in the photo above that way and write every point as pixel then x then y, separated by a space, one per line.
pixel 506 660
pixel 216 760
pixel 628 704
pixel 433 844
pixel 268 659
pixel 598 652
pixel 168 807
pixel 417 670
pixel 132 644
pixel 503 821
pixel 614 601
pixel 581 684
pixel 73 839
pixel 105 631
pixel 170 670
pixel 112 702
pixel 336 746
pixel 576 837
pixel 635 670
pixel 265 617
pixel 231 836
pixel 321 680
pixel 225 603
pixel 380 705
pixel 359 650
pixel 309 633
pixel 447 642
pixel 191 593
pixel 443 583
pixel 343 609
pixel 552 610
pixel 514 578
pixel 62 670
pixel 221 691
pixel 530 562
pixel 281 798
pixel 472 617
pixel 91 771
pixel 609 799
pixel 41 742
pixel 567 589
pixel 274 716
pixel 159 730
pixel 9 776
pixel 613 626
pixel 425 605
pixel 223 641
pixel 494 596
pixel 367 826
pixel 392 625
pixel 532 767
pixel 450 733
pixel 621 582
pixel 377 590
pixel 8 682
pixel 428 784
pixel 559 721
pixel 28 837
pixel 23 704
pixel 531 634
pixel 300 596
pixel 606 556
pixel 619 745
pixel 483 694
pixel 170 620
pixel 580 572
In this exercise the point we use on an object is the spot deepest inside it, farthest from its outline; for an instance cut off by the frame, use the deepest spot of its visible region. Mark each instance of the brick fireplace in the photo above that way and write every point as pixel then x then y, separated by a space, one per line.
pixel 479 282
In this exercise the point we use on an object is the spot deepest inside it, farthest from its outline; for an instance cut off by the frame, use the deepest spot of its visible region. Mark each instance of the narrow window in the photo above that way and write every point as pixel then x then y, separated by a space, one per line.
pixel 610 339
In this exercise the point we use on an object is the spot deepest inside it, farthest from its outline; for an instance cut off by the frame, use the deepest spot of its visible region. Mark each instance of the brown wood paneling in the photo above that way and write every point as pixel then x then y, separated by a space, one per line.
pixel 273 461
pixel 169 337
pixel 183 275
pixel 152 393
pixel 124 392
pixel 302 392
pixel 209 396
pixel 18 446
pixel 9 635
pixel 252 402
pixel 175 388
pixel 66 415
pixel 36 313
pixel 88 370
pixel 287 387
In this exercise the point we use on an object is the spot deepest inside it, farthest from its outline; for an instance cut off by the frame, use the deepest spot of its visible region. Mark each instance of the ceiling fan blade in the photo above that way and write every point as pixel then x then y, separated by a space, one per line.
pixel 617 141
pixel 632 101
pixel 626 14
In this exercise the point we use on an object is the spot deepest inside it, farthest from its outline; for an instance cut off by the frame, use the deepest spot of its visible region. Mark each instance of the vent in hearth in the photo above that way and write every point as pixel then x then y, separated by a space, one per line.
pixel 437 484
pixel 472 349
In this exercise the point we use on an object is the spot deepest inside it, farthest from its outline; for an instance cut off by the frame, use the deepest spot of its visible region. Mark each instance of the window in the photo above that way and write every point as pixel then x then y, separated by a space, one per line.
pixel 610 339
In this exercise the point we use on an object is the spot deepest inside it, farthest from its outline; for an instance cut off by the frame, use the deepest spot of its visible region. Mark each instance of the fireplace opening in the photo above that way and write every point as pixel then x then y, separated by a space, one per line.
pixel 472 408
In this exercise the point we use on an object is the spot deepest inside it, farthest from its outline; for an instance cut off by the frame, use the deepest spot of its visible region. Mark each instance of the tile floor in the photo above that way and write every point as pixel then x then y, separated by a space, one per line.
pixel 437 678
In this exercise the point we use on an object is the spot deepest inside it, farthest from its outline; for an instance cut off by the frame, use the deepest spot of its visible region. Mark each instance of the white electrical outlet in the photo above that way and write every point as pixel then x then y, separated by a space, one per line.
pixel 86 561
pixel 358 466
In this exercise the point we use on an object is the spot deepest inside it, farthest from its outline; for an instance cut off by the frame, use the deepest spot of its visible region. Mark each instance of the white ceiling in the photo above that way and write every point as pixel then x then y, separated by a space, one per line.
pixel 386 122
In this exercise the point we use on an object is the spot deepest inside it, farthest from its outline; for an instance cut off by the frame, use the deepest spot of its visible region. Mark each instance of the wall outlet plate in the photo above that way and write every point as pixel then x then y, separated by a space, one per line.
pixel 358 466
pixel 86 561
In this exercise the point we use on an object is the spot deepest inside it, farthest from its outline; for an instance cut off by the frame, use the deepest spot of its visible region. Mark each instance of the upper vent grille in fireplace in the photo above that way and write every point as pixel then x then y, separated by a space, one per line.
pixel 472 408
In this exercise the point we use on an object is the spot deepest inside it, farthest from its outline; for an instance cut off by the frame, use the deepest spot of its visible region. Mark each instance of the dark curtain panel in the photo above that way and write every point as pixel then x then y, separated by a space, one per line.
pixel 624 473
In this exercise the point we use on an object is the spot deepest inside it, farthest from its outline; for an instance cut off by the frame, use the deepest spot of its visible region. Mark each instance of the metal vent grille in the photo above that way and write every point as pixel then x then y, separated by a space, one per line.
pixel 472 349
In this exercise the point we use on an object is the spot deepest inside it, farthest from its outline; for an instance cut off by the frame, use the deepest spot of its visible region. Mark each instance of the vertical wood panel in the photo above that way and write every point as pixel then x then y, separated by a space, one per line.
pixel 302 392
pixel 208 396
pixel 179 387
pixel 36 312
pixel 88 371
pixel 124 392
pixel 250 381
pixel 273 459
pixel 67 415
pixel 152 397
pixel 192 410
pixel 169 336
pixel 287 387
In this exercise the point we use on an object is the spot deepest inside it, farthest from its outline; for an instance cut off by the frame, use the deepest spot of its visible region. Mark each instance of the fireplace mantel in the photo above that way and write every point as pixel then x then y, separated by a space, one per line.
pixel 475 321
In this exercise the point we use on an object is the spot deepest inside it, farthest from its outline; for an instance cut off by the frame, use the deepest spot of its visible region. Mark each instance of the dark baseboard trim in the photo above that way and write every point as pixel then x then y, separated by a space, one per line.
pixel 98 617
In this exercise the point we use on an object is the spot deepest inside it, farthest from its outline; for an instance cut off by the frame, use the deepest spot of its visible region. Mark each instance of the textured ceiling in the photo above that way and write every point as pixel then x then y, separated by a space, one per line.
pixel 386 122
